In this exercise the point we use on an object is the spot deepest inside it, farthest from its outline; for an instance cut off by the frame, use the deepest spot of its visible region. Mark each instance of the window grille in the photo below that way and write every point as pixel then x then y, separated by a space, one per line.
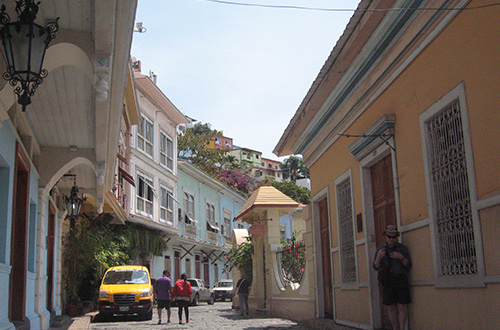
pixel 450 183
pixel 345 218
pixel 291 259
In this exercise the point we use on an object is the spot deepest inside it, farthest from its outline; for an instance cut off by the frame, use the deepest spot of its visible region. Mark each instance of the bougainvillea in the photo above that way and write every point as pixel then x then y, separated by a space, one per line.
pixel 293 260
pixel 235 179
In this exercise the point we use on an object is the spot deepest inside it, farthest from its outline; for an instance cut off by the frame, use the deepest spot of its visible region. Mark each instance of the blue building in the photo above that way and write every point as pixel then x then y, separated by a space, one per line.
pixel 206 209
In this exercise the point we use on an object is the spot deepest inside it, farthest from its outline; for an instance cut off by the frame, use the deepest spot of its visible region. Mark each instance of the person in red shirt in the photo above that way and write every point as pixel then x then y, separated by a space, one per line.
pixel 182 294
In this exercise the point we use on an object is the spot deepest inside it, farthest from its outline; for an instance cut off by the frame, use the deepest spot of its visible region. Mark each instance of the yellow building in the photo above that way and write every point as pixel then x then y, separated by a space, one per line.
pixel 401 127
pixel 274 290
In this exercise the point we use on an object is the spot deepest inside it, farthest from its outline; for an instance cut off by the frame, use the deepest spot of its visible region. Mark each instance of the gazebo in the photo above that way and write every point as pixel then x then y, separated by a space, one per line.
pixel 263 211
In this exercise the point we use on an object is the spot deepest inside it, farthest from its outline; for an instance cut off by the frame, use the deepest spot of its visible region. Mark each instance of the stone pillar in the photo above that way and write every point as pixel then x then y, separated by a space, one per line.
pixel 41 235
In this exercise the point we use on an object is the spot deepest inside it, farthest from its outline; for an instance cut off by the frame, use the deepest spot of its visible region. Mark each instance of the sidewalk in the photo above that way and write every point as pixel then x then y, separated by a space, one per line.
pixel 77 322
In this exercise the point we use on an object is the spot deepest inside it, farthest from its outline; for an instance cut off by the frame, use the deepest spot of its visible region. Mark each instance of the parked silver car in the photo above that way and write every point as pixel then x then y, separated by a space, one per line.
pixel 201 291
pixel 224 290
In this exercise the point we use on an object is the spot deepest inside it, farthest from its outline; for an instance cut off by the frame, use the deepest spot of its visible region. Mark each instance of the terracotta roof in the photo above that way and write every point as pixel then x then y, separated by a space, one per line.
pixel 266 197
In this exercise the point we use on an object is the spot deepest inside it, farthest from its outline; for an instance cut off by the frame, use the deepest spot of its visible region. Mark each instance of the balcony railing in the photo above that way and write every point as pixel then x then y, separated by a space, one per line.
pixel 212 237
pixel 190 230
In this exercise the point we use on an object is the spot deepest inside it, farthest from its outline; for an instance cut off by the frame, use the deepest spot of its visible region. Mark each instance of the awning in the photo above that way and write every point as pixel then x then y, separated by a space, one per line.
pixel 127 177
pixel 212 226
pixel 189 219
pixel 172 196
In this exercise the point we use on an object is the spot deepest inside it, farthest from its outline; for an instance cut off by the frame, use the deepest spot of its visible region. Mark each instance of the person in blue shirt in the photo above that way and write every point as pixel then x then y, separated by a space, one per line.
pixel 392 262
pixel 163 288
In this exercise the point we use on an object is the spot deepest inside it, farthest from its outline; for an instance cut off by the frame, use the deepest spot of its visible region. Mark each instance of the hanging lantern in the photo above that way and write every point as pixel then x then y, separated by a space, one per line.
pixel 74 205
pixel 24 44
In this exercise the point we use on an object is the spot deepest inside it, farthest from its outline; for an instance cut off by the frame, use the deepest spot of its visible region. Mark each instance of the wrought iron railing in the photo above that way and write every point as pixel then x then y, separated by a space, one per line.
pixel 291 258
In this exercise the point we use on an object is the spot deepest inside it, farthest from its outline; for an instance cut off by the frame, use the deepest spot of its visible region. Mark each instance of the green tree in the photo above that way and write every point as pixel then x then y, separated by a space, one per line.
pixel 240 256
pixel 94 245
pixel 192 145
pixel 231 162
pixel 291 189
pixel 293 167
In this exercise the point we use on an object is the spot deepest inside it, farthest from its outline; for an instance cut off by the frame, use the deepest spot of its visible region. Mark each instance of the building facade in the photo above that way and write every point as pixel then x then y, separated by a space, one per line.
pixel 154 198
pixel 205 216
pixel 399 128
pixel 68 135
pixel 246 157
pixel 220 142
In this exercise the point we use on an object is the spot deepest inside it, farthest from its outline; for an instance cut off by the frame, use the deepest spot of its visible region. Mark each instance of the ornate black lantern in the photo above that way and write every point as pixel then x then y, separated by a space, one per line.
pixel 73 205
pixel 25 43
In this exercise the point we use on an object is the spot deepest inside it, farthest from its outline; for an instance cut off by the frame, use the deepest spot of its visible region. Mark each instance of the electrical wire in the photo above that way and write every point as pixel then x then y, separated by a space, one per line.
pixel 225 2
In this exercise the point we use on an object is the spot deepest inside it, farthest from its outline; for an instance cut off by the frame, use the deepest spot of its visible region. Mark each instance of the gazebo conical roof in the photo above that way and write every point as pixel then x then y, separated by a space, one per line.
pixel 266 197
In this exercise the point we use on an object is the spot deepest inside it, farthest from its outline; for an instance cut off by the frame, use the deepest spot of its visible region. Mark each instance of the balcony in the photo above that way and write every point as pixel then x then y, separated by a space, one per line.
pixel 190 230
pixel 212 237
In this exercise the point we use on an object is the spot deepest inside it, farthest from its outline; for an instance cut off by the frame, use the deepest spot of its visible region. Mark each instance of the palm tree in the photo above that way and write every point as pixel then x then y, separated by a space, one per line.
pixel 294 167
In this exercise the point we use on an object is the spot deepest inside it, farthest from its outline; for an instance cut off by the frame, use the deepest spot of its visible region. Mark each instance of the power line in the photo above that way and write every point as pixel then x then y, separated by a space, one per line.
pixel 350 10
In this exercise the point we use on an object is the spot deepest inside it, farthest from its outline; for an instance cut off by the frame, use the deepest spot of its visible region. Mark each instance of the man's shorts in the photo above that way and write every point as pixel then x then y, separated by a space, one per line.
pixel 399 293
pixel 163 303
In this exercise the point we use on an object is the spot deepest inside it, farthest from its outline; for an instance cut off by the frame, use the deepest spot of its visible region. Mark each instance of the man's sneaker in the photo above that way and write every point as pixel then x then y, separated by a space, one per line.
pixel 180 322
pixel 188 321
pixel 159 322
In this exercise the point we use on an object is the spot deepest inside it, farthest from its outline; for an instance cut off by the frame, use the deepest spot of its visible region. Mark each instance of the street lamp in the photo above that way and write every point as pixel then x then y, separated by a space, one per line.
pixel 24 44
pixel 74 204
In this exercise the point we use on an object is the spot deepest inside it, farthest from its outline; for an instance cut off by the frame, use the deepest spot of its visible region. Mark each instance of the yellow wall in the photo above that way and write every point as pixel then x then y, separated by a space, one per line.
pixel 467 50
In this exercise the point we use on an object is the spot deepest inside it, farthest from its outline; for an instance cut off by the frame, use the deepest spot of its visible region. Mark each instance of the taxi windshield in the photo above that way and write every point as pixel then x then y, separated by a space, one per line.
pixel 128 276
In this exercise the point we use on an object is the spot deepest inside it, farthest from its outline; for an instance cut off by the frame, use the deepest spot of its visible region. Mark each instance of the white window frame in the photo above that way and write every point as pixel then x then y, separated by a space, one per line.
pixel 188 203
pixel 347 176
pixel 463 281
pixel 166 151
pixel 143 143
pixel 210 213
pixel 148 191
pixel 167 209
pixel 227 223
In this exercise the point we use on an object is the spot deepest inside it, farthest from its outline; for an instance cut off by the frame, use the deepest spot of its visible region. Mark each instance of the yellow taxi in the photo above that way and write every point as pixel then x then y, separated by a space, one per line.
pixel 126 290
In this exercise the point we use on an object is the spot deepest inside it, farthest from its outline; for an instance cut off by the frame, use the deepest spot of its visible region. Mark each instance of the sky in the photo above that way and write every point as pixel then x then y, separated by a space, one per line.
pixel 243 69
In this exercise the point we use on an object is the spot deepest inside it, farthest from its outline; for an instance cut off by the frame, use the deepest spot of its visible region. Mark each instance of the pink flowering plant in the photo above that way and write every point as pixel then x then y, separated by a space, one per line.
pixel 235 179
pixel 293 260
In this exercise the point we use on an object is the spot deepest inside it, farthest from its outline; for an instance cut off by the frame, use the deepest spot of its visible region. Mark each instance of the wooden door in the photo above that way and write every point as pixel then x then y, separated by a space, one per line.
pixel 19 243
pixel 384 210
pixel 326 258
pixel 206 272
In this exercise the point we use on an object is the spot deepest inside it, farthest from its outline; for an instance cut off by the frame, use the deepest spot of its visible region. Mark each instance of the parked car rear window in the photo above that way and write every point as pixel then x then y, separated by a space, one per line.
pixel 193 282
pixel 126 277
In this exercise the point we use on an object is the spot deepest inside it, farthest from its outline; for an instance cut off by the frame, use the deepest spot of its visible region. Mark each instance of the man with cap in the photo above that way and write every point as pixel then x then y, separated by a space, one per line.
pixel 392 262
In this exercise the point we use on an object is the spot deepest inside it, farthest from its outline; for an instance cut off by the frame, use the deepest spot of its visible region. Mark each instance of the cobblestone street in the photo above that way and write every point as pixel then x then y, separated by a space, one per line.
pixel 219 316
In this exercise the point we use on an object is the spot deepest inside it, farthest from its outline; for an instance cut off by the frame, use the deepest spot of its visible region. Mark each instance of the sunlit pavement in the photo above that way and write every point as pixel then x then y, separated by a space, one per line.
pixel 219 316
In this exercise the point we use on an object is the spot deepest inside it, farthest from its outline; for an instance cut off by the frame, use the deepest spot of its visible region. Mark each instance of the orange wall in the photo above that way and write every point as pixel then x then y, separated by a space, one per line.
pixel 467 50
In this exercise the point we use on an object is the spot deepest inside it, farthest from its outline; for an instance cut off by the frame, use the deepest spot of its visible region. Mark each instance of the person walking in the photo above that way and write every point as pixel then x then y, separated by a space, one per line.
pixel 392 262
pixel 182 294
pixel 162 291
pixel 243 289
